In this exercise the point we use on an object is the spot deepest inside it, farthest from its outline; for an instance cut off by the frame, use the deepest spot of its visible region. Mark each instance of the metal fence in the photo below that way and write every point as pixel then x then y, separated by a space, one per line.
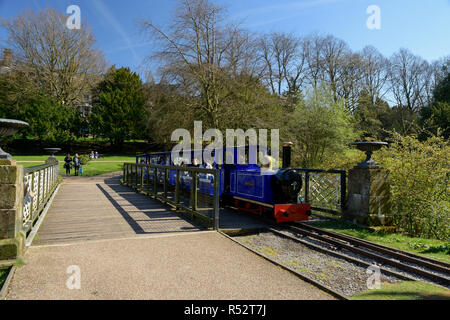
pixel 325 190
pixel 167 184
pixel 39 184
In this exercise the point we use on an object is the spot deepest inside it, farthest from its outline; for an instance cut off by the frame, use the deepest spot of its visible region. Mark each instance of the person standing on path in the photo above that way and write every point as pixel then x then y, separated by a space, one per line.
pixel 77 164
pixel 68 164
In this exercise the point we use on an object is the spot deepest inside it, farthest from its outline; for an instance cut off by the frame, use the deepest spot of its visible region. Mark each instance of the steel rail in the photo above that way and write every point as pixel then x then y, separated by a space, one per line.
pixel 338 254
pixel 436 265
pixel 389 261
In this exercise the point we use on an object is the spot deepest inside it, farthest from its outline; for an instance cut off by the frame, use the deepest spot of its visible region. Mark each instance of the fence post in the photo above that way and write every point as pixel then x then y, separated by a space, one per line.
pixel 306 187
pixel 155 181
pixel 32 183
pixel 142 177
pixel 40 189
pixel 177 188
pixel 148 177
pixel 343 191
pixel 165 183
pixel 136 176
pixel 194 191
pixel 216 200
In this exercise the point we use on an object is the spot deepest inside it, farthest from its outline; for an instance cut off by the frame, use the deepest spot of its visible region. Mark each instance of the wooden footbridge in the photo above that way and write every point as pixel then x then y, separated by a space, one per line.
pixel 126 245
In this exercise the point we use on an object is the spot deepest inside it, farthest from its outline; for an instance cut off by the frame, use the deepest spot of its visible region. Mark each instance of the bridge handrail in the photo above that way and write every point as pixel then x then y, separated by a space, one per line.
pixel 133 175
pixel 39 184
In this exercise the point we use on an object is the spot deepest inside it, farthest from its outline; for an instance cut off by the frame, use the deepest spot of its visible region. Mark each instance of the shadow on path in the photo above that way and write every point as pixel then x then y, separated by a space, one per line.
pixel 141 212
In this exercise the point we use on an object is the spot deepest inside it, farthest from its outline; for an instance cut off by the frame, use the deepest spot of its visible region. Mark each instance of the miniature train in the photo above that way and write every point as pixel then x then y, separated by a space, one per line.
pixel 244 187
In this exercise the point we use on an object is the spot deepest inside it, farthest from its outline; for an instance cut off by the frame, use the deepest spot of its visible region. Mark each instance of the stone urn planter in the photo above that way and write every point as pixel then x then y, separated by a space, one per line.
pixel 368 189
pixel 369 147
pixel 9 127
pixel 52 151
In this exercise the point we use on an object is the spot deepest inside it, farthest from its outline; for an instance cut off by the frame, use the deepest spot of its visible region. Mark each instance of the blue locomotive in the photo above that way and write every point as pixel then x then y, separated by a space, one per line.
pixel 244 186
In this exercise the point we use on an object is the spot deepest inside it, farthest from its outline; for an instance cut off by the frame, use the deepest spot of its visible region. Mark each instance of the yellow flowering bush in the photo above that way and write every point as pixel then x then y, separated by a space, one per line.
pixel 419 173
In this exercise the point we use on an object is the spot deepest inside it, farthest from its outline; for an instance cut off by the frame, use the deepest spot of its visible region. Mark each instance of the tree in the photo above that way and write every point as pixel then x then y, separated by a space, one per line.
pixel 118 106
pixel 348 86
pixel 408 76
pixel 284 61
pixel 24 100
pixel 435 117
pixel 374 73
pixel 441 92
pixel 373 119
pixel 404 120
pixel 60 61
pixel 190 53
pixel 334 52
pixel 165 111
pixel 49 121
pixel 319 127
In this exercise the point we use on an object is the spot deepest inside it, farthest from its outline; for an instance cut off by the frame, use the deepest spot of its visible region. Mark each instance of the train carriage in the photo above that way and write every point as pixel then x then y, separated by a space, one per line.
pixel 247 187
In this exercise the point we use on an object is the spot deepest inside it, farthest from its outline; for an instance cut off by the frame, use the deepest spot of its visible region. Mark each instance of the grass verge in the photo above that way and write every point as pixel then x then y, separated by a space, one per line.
pixel 96 167
pixel 434 249
pixel 406 290
pixel 112 157
pixel 3 276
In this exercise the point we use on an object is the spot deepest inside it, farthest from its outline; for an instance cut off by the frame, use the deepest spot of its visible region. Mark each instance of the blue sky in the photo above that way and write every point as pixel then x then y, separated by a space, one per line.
pixel 423 26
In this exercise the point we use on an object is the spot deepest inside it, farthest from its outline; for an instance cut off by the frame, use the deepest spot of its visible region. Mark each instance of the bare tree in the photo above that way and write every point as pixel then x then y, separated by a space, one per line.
pixel 374 73
pixel 190 52
pixel 63 62
pixel 313 46
pixel 333 53
pixel 206 57
pixel 348 84
pixel 239 52
pixel 284 61
pixel 408 76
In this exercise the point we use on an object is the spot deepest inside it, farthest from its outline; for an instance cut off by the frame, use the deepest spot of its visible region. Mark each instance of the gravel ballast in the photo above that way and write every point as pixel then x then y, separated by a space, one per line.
pixel 338 274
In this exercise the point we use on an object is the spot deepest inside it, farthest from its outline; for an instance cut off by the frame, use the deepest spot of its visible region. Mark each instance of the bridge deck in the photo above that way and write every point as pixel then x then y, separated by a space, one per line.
pixel 100 208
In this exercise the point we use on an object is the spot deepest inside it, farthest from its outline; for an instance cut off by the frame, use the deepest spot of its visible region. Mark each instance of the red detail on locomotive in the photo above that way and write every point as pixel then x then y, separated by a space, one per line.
pixel 292 212
pixel 248 207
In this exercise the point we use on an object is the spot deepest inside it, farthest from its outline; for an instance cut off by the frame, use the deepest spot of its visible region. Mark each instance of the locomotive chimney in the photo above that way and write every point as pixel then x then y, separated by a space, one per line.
pixel 287 147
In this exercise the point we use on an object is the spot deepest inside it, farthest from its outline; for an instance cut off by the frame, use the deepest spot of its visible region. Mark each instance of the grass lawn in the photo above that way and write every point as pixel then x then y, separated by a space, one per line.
pixel 110 163
pixel 406 290
pixel 3 276
pixel 435 249
pixel 127 158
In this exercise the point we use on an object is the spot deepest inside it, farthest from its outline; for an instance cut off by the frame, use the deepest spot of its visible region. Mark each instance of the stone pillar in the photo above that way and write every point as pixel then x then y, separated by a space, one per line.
pixel 12 238
pixel 368 196
pixel 51 160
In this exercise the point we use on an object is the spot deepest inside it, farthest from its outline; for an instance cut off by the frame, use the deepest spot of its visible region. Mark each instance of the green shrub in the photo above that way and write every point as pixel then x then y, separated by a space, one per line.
pixel 85 159
pixel 344 160
pixel 419 173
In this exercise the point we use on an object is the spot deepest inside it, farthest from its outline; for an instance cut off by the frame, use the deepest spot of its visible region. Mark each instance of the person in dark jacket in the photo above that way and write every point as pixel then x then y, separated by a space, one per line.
pixel 77 164
pixel 68 164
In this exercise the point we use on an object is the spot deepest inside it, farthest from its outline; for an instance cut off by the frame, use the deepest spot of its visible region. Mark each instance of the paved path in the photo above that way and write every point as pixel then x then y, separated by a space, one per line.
pixel 128 246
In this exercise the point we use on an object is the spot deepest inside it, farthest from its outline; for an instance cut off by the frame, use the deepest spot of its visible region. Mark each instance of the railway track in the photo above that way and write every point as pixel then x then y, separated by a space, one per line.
pixel 435 271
